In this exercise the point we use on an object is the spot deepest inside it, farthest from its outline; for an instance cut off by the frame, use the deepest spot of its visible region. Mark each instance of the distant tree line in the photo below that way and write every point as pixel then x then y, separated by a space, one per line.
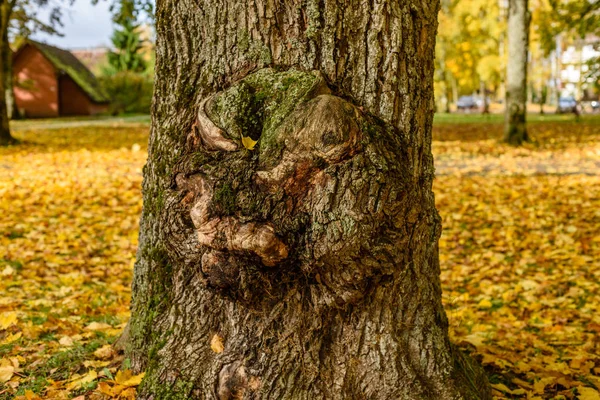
pixel 128 76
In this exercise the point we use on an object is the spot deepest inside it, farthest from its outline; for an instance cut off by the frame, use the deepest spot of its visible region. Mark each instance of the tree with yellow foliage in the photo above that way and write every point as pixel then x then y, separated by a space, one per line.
pixel 468 49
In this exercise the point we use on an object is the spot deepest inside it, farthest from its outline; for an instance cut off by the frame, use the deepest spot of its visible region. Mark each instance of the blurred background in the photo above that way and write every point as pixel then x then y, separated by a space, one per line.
pixel 115 41
pixel 563 63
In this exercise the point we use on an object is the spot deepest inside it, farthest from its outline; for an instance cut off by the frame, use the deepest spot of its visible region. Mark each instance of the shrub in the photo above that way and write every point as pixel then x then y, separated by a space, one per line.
pixel 129 92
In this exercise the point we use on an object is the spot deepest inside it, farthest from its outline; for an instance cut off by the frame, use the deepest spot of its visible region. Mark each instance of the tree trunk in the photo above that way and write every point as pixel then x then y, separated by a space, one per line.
pixel 288 242
pixel 515 131
pixel 485 107
pixel 11 105
pixel 5 11
pixel 449 93
pixel 454 90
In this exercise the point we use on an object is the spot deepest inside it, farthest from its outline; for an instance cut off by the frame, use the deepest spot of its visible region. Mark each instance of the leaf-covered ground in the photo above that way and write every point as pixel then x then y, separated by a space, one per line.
pixel 520 255
pixel 70 204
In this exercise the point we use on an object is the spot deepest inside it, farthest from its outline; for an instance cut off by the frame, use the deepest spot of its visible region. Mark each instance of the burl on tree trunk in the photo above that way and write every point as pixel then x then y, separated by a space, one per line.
pixel 288 244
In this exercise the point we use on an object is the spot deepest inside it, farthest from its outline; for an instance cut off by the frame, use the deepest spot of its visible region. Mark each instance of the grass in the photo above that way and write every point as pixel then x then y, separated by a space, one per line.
pixel 87 121
pixel 59 367
pixel 478 118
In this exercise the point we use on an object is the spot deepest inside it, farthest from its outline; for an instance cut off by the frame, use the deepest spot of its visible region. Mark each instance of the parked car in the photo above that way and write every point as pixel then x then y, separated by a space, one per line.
pixel 567 105
pixel 466 103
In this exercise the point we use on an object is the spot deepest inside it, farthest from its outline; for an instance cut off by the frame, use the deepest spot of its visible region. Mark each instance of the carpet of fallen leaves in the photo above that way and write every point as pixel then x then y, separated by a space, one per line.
pixel 520 256
pixel 70 204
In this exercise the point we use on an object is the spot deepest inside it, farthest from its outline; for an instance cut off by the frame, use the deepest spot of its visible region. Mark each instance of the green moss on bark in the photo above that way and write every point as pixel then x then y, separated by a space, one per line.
pixel 225 199
pixel 257 105
pixel 142 322
pixel 180 390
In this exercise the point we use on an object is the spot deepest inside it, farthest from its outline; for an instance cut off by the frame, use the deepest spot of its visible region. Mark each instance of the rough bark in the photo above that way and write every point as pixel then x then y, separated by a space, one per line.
pixel 515 131
pixel 5 12
pixel 305 267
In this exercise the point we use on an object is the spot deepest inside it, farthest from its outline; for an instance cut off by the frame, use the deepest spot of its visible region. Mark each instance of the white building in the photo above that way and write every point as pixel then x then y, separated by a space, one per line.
pixel 573 67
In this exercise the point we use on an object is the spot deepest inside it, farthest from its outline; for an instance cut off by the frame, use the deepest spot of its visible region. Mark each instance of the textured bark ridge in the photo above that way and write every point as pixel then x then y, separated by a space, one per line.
pixel 306 267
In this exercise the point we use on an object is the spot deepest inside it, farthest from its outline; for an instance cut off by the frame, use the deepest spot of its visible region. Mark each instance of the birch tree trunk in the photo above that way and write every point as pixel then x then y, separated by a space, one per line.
pixel 5 54
pixel 288 242
pixel 515 131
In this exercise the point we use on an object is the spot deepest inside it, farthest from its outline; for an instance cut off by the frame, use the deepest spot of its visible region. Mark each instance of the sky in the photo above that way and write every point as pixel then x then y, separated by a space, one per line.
pixel 85 26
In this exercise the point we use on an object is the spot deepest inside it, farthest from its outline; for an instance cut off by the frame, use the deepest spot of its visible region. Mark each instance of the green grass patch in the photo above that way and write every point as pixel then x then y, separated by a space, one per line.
pixel 478 118
pixel 59 367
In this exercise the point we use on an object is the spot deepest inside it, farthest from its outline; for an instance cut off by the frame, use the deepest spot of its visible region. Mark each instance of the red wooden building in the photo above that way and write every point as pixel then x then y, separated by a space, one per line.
pixel 51 82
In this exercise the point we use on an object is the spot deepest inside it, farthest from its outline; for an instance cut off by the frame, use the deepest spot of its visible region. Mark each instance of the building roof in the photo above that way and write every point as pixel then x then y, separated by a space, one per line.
pixel 93 58
pixel 67 63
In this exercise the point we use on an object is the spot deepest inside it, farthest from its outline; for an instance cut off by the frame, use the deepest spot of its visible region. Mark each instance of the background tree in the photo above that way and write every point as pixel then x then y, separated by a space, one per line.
pixel 5 13
pixel 579 17
pixel 128 77
pixel 128 48
pixel 515 131
pixel 468 46
pixel 288 243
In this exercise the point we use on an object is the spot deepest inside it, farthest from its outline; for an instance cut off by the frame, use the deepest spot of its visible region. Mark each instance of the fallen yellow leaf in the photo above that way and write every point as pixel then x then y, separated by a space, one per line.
pixel 248 142
pixel 7 319
pixel 7 271
pixel 29 395
pixel 80 381
pixel 128 394
pixel 11 338
pixel 540 386
pixel 505 389
pixel 586 393
pixel 66 341
pixel 6 370
pixel 105 388
pixel 104 352
pixel 216 344
pixel 96 364
pixel 485 303
pixel 97 326
pixel 126 378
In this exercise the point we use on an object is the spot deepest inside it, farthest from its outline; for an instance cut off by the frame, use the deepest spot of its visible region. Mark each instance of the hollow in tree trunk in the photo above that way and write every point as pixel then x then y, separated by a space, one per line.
pixel 288 242
pixel 5 54
pixel 515 130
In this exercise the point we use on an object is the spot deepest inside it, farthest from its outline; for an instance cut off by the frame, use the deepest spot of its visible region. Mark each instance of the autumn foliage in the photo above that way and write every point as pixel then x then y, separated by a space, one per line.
pixel 519 256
